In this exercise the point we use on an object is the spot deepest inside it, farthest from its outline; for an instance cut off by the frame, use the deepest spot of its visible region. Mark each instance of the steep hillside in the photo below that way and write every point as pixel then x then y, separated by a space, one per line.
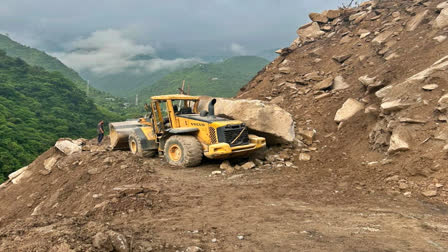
pixel 36 108
pixel 222 79
pixel 39 58
pixel 35 57
pixel 372 82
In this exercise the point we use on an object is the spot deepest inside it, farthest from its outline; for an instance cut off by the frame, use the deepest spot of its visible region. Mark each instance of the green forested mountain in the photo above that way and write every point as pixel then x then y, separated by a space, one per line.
pixel 222 79
pixel 38 58
pixel 36 108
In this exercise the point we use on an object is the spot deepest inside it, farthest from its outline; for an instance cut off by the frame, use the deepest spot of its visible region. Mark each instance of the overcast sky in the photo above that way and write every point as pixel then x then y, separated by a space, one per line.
pixel 78 31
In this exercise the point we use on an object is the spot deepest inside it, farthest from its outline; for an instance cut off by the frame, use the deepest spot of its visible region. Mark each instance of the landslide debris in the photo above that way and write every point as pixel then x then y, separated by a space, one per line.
pixel 372 82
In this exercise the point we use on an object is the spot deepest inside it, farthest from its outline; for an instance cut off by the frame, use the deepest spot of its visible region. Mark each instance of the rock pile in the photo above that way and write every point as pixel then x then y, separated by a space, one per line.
pixel 369 79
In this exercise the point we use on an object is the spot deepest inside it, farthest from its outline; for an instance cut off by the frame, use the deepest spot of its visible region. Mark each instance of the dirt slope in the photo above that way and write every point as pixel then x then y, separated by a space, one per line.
pixel 352 195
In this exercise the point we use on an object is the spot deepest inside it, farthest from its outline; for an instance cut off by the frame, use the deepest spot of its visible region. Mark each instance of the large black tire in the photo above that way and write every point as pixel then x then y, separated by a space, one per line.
pixel 135 145
pixel 183 150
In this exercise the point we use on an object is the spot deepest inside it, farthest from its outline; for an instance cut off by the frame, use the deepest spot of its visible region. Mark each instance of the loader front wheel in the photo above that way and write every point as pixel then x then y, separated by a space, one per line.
pixel 183 150
pixel 135 145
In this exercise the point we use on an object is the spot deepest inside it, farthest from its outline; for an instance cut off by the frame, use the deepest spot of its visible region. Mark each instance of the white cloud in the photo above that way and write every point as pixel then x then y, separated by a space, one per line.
pixel 238 49
pixel 112 51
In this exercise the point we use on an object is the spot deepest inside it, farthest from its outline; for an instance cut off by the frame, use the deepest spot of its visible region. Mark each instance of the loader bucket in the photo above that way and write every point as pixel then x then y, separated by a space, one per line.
pixel 119 134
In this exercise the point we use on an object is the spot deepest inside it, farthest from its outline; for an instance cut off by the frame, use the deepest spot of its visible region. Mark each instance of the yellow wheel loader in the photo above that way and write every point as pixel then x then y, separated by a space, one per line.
pixel 175 127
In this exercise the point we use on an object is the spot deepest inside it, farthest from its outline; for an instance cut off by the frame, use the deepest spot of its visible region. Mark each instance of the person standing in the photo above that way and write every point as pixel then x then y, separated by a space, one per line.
pixel 100 131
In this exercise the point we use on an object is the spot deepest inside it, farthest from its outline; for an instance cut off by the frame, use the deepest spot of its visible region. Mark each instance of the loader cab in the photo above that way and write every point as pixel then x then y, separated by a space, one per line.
pixel 166 109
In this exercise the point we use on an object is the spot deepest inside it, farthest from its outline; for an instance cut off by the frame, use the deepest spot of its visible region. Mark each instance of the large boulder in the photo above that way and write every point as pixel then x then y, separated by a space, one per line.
pixel 265 119
pixel 68 147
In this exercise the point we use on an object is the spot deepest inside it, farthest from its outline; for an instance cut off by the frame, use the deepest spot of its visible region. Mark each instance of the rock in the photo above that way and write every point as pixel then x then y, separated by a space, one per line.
pixel 440 38
pixel 355 16
pixel 371 109
pixel 430 87
pixel 101 241
pixel 402 186
pixel 345 40
pixel 411 120
pixel 214 240
pixel 360 17
pixel 193 249
pixel 19 175
pixel 333 14
pixel 442 5
pixel 382 37
pixel 325 84
pixel 225 165
pixel 313 76
pixel 269 120
pixel 366 81
pixel 310 32
pixel 119 242
pixel 399 140
pixel 240 237
pixel 249 165
pixel 348 110
pixel 364 35
pixel 443 103
pixel 430 193
pixel 95 170
pixel 285 70
pixel 68 147
pixel 392 56
pixel 416 21
pixel 441 134
pixel 392 106
pixel 49 163
pixel 327 28
pixel 308 136
pixel 317 17
pixel 339 83
pixel 342 58
pixel 442 20
pixel 304 157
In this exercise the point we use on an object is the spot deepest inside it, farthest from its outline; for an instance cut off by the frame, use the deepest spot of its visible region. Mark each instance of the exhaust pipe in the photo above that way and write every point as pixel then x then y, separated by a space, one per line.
pixel 211 108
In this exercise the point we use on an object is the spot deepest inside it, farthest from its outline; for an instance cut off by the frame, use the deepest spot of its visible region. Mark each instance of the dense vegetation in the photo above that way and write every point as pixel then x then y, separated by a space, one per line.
pixel 36 108
pixel 38 58
pixel 222 79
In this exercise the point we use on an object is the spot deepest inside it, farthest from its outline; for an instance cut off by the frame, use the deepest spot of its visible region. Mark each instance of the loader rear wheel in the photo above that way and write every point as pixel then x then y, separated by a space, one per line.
pixel 183 150
pixel 135 145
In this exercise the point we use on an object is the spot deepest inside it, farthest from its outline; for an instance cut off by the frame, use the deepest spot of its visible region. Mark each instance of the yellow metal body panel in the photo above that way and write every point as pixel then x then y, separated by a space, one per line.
pixel 223 150
pixel 175 97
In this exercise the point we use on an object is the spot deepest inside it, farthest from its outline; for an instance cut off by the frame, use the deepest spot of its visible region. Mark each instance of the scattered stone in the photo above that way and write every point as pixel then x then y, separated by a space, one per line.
pixel 430 87
pixel 327 28
pixel 95 170
pixel 442 5
pixel 348 110
pixel 307 135
pixel 68 147
pixel 119 242
pixel 304 157
pixel 393 106
pixel 193 249
pixel 240 237
pixel 366 81
pixel 285 70
pixel 443 103
pixel 333 14
pixel 214 240
pixel 310 31
pixel 249 165
pixel 399 140
pixel 49 163
pixel 411 120
pixel 442 20
pixel 382 37
pixel 325 84
pixel 357 17
pixel 288 164
pixel 392 56
pixel 317 17
pixel 430 193
pixel 19 175
pixel 403 186
pixel 342 58
pixel 364 35
pixel 371 109
pixel 440 38
pixel 225 165
pixel 216 172
pixel 101 241
pixel 416 21
pixel 407 194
